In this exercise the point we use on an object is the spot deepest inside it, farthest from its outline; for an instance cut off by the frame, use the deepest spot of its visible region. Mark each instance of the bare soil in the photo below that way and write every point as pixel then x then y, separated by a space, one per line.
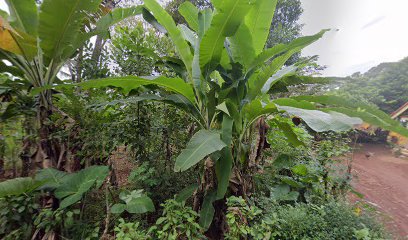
pixel 383 180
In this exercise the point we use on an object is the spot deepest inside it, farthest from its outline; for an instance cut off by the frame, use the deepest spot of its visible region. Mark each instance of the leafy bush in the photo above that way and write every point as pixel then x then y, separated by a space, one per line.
pixel 303 169
pixel 49 220
pixel 129 231
pixel 333 220
pixel 133 202
pixel 239 214
pixel 15 216
pixel 177 222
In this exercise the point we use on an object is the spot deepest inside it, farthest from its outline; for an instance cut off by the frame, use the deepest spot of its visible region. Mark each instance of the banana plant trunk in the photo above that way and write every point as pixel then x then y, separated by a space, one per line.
pixel 29 145
pixel 47 152
pixel 208 184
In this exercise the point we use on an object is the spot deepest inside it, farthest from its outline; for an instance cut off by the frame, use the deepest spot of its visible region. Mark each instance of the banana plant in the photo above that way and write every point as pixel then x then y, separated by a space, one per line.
pixel 38 39
pixel 225 78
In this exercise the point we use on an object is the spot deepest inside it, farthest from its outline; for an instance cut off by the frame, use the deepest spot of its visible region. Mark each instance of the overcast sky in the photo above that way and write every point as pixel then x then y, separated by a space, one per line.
pixel 369 32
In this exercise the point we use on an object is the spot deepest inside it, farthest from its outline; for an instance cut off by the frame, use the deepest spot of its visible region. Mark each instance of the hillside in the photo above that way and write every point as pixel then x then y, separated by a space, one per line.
pixel 385 85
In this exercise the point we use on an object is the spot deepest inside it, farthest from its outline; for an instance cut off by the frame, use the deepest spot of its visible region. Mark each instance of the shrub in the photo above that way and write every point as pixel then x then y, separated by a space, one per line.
pixel 129 231
pixel 15 216
pixel 333 220
pixel 177 222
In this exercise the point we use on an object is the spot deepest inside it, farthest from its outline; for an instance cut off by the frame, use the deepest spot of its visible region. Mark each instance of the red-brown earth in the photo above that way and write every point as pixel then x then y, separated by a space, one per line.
pixel 383 180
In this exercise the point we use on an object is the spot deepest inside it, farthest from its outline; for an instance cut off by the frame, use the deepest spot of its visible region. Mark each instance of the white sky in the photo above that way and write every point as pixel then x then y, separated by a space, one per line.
pixel 370 32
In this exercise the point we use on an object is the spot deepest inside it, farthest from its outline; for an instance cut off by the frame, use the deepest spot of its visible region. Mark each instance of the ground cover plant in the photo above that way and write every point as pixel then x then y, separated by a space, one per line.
pixel 212 144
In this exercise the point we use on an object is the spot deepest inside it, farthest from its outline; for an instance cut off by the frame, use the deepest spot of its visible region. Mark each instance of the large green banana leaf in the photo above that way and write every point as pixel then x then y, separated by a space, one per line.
pixel 224 24
pixel 202 144
pixel 24 16
pixel 59 25
pixel 167 21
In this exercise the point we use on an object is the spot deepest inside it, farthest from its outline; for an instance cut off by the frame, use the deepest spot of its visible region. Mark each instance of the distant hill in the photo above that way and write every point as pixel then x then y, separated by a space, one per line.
pixel 385 85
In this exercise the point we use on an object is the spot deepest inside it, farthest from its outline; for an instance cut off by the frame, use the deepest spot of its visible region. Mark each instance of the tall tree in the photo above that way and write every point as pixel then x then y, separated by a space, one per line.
pixel 285 25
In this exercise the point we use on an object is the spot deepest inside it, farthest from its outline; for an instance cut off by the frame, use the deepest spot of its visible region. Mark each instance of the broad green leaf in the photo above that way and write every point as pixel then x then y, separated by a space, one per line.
pixel 217 4
pixel 358 109
pixel 135 202
pixel 287 130
pixel 282 193
pixel 16 42
pixel 153 21
pixel 370 118
pixel 283 161
pixel 258 80
pixel 60 25
pixel 52 177
pixel 70 200
pixel 190 14
pixel 294 80
pixel 224 165
pixel 294 103
pixel 223 108
pixel 77 184
pixel 18 186
pixel 204 21
pixel 24 15
pixel 259 21
pixel 321 121
pixel 207 210
pixel 202 144
pixel 115 16
pixel 128 196
pixel 186 193
pixel 140 205
pixel 167 21
pixel 176 100
pixel 188 35
pixel 337 101
pixel 224 24
pixel 251 36
pixel 256 108
pixel 290 70
pixel 118 208
pixel 242 47
pixel 276 50
pixel 300 170
pixel 129 83
pixel 279 191
pixel 291 182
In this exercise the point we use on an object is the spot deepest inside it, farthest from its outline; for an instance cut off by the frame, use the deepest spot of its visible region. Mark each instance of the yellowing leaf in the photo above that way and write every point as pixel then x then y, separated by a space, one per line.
pixel 7 41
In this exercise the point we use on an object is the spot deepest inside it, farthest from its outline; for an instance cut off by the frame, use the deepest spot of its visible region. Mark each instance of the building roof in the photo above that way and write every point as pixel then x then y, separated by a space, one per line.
pixel 399 111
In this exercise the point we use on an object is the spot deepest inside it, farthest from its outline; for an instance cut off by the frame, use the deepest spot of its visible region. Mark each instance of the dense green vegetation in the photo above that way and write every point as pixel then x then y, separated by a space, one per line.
pixel 162 128
pixel 384 85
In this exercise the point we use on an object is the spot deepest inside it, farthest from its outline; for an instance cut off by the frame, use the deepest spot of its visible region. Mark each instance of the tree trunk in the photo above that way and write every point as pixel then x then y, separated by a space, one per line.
pixel 28 147
pixel 109 4
pixel 96 54
pixel 209 184
pixel 47 153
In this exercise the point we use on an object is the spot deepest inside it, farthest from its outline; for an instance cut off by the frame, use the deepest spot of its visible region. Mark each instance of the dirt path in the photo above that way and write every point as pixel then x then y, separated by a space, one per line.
pixel 383 179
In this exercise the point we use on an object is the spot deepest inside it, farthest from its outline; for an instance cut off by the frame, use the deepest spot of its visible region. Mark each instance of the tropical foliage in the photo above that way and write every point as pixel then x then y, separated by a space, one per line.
pixel 179 128
pixel 384 86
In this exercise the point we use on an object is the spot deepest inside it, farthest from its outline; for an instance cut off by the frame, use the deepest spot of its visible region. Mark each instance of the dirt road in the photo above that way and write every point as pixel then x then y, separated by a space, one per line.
pixel 383 179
